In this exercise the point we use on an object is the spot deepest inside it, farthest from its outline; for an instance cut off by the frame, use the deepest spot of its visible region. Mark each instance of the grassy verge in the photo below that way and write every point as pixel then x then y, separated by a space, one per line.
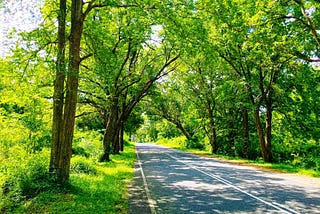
pixel 278 167
pixel 95 188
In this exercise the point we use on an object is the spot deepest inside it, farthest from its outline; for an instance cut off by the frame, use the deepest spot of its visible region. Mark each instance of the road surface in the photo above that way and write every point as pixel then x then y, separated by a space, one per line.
pixel 169 181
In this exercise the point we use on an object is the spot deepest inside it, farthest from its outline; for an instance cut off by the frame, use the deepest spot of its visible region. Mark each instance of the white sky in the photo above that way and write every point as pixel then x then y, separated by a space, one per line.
pixel 21 15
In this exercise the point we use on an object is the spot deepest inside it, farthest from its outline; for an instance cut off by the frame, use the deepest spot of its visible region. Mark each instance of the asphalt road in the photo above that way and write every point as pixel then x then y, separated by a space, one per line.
pixel 169 181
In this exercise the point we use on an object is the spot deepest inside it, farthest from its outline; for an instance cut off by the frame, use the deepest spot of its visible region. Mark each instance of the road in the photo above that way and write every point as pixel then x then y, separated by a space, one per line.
pixel 171 181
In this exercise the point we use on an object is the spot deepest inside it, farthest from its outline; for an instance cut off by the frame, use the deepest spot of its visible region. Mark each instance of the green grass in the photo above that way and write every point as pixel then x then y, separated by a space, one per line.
pixel 102 191
pixel 279 167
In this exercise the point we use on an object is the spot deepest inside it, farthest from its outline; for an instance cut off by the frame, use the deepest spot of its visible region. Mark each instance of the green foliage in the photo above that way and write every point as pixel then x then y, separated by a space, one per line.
pixel 87 144
pixel 234 55
pixel 81 165
pixel 27 187
pixel 102 192
pixel 24 136
pixel 134 122
pixel 196 142
pixel 166 129
pixel 79 151
pixel 177 142
pixel 306 155
pixel 90 122
pixel 23 177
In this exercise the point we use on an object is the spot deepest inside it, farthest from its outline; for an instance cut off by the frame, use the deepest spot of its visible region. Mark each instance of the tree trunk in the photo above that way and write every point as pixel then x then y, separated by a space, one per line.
pixel 121 133
pixel 265 149
pixel 213 134
pixel 183 130
pixel 245 132
pixel 71 89
pixel 116 125
pixel 268 133
pixel 109 134
pixel 58 95
pixel 232 136
pixel 213 141
pixel 116 141
pixel 107 148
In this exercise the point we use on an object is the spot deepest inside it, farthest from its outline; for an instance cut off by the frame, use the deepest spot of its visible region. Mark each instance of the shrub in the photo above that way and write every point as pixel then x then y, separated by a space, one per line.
pixel 81 165
pixel 177 142
pixel 25 176
pixel 80 151
pixel 88 144
pixel 194 144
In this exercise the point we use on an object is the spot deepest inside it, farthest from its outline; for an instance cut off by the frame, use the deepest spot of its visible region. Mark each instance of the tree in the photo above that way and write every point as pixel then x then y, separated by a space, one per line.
pixel 124 69
pixel 65 96
pixel 257 64
pixel 169 102
pixel 58 96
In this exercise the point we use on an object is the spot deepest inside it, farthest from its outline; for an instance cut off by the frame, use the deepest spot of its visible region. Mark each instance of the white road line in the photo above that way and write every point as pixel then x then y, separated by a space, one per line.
pixel 277 206
pixel 152 203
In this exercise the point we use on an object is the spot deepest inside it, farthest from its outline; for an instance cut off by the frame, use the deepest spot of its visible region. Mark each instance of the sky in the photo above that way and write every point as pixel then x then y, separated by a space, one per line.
pixel 19 15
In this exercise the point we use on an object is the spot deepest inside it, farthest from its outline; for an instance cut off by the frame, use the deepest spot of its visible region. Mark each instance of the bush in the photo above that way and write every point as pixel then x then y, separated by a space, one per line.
pixel 88 144
pixel 80 151
pixel 177 142
pixel 194 144
pixel 81 165
pixel 24 177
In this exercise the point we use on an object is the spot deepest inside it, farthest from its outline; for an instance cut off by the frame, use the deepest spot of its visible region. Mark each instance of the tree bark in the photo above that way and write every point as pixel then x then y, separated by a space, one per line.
pixel 107 148
pixel 121 133
pixel 66 136
pixel 116 129
pixel 232 136
pixel 268 146
pixel 58 95
pixel 183 130
pixel 213 133
pixel 213 141
pixel 264 147
pixel 110 132
pixel 245 132
pixel 116 141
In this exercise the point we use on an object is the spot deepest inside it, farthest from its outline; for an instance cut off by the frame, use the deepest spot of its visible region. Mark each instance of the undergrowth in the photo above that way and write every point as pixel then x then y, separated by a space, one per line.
pixel 27 187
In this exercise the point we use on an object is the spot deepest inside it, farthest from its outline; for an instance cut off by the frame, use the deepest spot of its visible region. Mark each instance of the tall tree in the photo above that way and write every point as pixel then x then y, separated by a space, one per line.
pixel 256 58
pixel 126 65
pixel 58 96
pixel 65 96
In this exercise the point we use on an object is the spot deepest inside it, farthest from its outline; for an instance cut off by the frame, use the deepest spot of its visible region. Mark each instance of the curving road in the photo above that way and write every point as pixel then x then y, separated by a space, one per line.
pixel 170 181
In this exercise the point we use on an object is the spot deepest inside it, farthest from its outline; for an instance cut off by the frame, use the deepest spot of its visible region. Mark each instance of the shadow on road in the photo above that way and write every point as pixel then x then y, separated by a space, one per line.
pixel 183 185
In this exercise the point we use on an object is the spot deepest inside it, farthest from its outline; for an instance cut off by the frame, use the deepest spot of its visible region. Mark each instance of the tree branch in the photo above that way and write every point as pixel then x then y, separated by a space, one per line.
pixel 86 57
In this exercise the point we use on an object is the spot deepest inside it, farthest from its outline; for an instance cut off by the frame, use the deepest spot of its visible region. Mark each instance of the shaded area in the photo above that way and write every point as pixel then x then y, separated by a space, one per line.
pixel 179 188
pixel 138 201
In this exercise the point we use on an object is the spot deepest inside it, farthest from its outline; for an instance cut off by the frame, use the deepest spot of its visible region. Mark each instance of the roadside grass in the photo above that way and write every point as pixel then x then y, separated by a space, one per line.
pixel 276 167
pixel 94 188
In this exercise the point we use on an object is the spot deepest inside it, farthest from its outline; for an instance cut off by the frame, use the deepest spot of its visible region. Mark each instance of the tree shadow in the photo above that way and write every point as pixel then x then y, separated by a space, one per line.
pixel 218 187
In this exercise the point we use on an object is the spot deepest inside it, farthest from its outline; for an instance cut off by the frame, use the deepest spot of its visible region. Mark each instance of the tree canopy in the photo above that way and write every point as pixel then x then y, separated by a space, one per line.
pixel 240 78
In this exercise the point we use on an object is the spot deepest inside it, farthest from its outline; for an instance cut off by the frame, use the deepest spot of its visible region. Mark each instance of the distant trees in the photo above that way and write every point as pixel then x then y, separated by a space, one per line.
pixel 239 69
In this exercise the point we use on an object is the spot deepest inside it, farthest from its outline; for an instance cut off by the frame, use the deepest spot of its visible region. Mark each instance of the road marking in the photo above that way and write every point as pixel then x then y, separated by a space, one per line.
pixel 277 206
pixel 152 203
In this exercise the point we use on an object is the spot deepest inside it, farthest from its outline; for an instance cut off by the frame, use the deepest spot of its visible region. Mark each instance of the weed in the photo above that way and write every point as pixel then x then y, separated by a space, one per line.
pixel 94 188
